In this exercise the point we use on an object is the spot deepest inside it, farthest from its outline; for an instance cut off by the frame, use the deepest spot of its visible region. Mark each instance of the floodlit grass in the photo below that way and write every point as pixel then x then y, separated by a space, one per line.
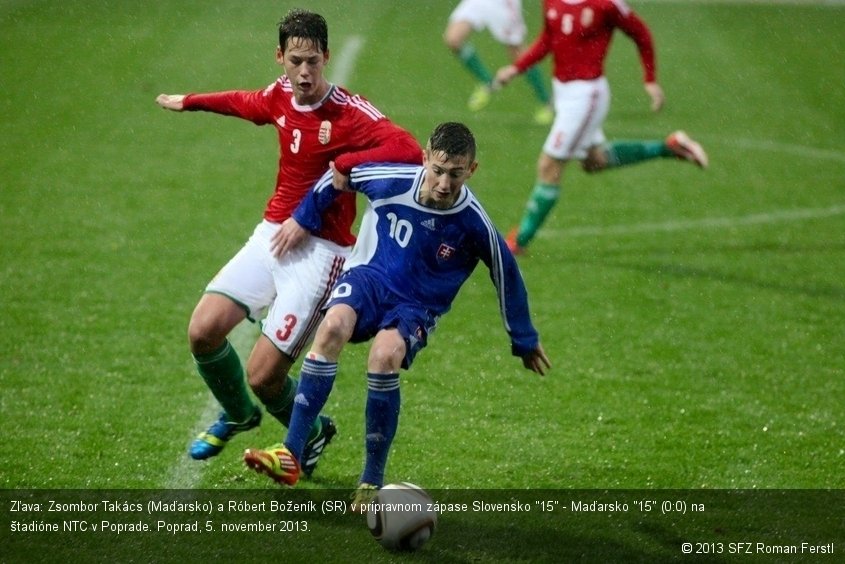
pixel 694 318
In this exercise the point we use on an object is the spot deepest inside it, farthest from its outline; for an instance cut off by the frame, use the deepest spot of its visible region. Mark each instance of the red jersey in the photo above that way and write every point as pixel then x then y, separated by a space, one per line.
pixel 343 128
pixel 578 34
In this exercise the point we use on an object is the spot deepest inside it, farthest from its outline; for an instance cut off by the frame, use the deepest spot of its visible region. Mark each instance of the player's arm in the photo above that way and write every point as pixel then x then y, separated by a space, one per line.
pixel 535 53
pixel 249 105
pixel 307 217
pixel 368 178
pixel 513 299
pixel 309 213
pixel 638 31
pixel 388 143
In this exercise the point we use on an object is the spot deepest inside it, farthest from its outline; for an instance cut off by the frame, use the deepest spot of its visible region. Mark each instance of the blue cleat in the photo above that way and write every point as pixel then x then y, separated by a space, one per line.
pixel 211 442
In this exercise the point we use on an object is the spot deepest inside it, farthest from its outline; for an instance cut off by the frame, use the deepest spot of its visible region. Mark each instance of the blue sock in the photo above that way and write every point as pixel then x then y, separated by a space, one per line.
pixel 382 419
pixel 316 380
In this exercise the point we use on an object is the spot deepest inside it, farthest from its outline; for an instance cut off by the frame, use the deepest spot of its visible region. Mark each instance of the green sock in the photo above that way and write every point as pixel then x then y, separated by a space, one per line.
pixel 622 153
pixel 469 57
pixel 282 407
pixel 224 375
pixel 543 199
pixel 535 79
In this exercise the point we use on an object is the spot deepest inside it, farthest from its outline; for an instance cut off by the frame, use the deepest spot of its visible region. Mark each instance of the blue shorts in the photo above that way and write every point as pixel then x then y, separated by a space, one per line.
pixel 378 308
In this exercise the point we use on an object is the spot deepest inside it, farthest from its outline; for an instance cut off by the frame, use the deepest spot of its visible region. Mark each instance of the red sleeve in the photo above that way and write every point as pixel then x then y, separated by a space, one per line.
pixel 392 145
pixel 636 29
pixel 248 105
pixel 536 51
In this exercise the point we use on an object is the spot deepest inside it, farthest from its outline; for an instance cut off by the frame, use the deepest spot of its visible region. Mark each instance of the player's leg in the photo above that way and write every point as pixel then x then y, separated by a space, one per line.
pixel 621 153
pixel 303 279
pixel 216 359
pixel 242 289
pixel 267 374
pixel 383 402
pixel 404 332
pixel 580 109
pixel 468 17
pixel 544 196
pixel 544 114
pixel 283 462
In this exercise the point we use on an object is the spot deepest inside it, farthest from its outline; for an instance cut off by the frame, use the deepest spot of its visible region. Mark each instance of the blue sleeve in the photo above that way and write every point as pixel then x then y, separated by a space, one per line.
pixel 515 312
pixel 510 288
pixel 309 213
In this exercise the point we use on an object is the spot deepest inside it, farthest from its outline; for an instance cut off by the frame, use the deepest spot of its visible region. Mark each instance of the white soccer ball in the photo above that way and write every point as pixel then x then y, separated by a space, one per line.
pixel 401 517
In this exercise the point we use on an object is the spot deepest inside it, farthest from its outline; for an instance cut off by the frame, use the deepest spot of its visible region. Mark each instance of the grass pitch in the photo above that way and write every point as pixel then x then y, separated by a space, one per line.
pixel 695 319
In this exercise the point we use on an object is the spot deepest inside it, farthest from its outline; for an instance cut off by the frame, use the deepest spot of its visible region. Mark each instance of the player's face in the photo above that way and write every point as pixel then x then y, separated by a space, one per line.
pixel 444 178
pixel 304 61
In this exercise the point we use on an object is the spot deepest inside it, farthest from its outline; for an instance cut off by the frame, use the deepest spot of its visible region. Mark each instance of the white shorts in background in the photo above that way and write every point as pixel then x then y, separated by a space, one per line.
pixel 580 109
pixel 503 18
pixel 291 291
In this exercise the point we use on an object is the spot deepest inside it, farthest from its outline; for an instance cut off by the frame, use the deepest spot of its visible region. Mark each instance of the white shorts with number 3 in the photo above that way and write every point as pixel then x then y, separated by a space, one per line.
pixel 291 291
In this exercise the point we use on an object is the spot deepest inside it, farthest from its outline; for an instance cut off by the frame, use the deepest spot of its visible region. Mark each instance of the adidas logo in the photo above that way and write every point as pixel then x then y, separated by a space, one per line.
pixel 301 400
pixel 429 224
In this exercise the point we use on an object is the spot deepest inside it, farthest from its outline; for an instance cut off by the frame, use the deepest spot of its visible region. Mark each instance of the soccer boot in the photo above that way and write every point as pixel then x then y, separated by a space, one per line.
pixel 544 115
pixel 512 244
pixel 314 448
pixel 685 148
pixel 276 462
pixel 362 496
pixel 211 442
pixel 480 98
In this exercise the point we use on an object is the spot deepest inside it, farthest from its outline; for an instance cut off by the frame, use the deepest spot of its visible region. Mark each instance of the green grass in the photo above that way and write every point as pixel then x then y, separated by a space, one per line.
pixel 695 319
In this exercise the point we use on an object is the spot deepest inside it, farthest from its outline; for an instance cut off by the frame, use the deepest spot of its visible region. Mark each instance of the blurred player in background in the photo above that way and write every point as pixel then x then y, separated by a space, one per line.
pixel 317 123
pixel 421 237
pixel 577 33
pixel 503 18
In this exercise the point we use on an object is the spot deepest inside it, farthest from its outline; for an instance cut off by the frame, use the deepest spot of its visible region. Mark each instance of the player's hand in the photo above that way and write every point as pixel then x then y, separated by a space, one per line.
pixel 655 92
pixel 171 101
pixel 340 181
pixel 537 361
pixel 505 75
pixel 289 236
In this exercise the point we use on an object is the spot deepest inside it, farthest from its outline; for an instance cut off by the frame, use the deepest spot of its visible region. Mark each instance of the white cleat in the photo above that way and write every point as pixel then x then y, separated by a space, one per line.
pixel 685 148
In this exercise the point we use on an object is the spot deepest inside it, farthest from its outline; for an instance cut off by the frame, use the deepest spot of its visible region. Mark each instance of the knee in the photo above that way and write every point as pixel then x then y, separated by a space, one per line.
pixel 456 35
pixel 386 355
pixel 261 381
pixel 267 370
pixel 549 170
pixel 334 332
pixel 596 160
pixel 202 337
pixel 591 166
pixel 452 41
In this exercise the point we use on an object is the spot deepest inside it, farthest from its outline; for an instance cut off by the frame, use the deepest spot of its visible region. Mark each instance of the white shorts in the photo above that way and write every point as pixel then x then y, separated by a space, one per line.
pixel 291 290
pixel 503 18
pixel 580 109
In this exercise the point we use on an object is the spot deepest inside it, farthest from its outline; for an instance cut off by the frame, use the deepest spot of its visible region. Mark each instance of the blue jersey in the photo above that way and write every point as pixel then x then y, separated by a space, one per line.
pixel 423 254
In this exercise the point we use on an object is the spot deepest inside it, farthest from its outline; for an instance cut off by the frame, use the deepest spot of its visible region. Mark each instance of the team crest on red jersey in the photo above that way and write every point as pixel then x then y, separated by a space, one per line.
pixel 325 132
pixel 445 252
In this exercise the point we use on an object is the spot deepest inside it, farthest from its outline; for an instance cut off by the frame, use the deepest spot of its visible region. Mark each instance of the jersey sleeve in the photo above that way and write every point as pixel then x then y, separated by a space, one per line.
pixel 309 212
pixel 535 52
pixel 638 31
pixel 251 105
pixel 510 289
pixel 390 143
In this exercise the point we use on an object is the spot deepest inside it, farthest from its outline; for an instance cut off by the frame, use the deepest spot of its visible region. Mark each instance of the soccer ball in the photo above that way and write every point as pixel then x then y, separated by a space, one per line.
pixel 400 516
